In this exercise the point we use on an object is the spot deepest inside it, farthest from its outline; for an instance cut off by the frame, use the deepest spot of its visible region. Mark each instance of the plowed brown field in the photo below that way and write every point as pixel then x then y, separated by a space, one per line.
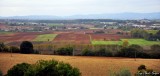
pixel 21 36
pixel 106 37
pixel 89 66
pixel 72 38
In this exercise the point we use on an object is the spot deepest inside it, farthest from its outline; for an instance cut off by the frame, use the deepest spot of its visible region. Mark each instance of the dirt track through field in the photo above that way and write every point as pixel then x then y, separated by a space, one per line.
pixel 89 66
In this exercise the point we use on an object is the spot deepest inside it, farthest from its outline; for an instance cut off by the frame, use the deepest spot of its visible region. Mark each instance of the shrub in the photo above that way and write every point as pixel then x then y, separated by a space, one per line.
pixel 125 43
pixel 137 47
pixel 126 52
pixel 26 47
pixel 52 68
pixel 14 49
pixel 36 52
pixel 155 55
pixel 1 74
pixel 103 52
pixel 87 52
pixel 18 70
pixel 109 53
pixel 155 51
pixel 67 70
pixel 132 52
pixel 143 71
pixel 155 47
pixel 65 51
pixel 121 72
pixel 149 70
pixel 142 67
pixel 43 68
pixel 124 72
pixel 6 49
pixel 2 46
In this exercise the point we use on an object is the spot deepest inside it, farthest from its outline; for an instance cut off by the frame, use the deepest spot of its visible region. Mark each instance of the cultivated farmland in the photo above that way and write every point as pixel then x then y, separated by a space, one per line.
pixel 89 66
pixel 18 37
pixel 141 42
pixel 106 37
pixel 45 37
pixel 6 33
pixel 72 38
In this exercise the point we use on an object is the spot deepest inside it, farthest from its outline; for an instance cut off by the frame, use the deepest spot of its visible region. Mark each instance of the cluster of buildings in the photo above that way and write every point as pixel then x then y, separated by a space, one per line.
pixel 144 24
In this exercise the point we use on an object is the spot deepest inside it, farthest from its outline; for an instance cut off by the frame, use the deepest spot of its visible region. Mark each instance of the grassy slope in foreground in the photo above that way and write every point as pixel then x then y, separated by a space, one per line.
pixel 141 42
pixel 89 66
pixel 45 37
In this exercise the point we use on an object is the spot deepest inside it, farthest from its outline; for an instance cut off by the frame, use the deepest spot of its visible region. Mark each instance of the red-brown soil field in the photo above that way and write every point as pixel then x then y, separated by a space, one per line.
pixel 2 26
pixel 21 36
pixel 106 37
pixel 72 38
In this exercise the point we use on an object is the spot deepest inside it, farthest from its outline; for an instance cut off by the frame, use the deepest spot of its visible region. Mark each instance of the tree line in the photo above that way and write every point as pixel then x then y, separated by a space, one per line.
pixel 125 50
pixel 140 33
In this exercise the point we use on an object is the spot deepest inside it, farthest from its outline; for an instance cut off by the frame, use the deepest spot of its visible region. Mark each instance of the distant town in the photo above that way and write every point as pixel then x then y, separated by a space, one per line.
pixel 14 25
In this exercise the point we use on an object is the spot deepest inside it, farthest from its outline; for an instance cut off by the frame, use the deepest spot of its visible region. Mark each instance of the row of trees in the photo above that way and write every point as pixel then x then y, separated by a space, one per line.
pixel 26 47
pixel 4 48
pixel 90 50
pixel 139 33
pixel 131 51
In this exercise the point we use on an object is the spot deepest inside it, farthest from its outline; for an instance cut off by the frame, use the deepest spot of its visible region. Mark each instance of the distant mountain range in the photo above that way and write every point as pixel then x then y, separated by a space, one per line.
pixel 122 16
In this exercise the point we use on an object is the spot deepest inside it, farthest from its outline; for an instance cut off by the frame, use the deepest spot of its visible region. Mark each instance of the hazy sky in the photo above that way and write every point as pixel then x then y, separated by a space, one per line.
pixel 75 7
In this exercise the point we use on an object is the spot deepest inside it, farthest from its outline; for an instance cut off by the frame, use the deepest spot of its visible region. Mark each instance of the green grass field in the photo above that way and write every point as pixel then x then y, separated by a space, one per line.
pixel 106 42
pixel 45 37
pixel 152 31
pixel 6 33
pixel 141 42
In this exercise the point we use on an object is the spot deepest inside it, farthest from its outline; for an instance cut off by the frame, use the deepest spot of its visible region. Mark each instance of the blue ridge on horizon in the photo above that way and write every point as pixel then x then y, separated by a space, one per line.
pixel 122 16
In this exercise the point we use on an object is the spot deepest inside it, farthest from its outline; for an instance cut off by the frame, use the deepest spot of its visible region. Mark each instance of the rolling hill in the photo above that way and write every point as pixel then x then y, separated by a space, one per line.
pixel 122 16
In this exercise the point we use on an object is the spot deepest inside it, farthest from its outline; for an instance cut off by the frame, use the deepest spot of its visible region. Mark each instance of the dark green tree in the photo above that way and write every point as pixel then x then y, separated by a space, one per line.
pixel 65 51
pixel 87 52
pixel 52 68
pixel 14 49
pixel 1 74
pixel 26 47
pixel 155 47
pixel 2 46
pixel 18 70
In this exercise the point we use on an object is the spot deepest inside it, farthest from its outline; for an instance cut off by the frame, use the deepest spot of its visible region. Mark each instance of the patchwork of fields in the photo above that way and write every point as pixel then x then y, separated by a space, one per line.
pixel 89 66
pixel 73 38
